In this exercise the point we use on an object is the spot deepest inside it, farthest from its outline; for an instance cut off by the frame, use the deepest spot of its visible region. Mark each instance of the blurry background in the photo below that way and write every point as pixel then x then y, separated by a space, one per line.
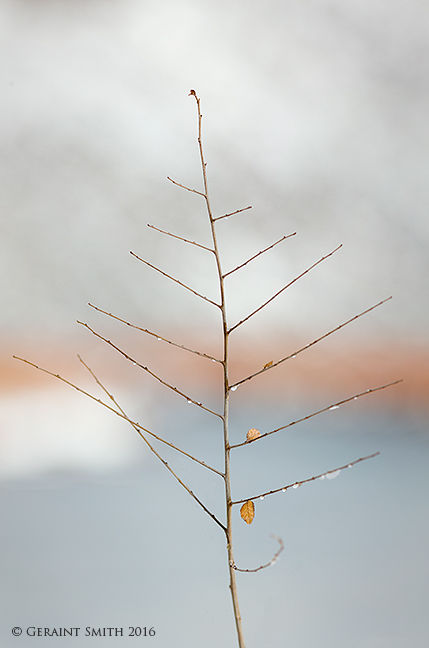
pixel 315 113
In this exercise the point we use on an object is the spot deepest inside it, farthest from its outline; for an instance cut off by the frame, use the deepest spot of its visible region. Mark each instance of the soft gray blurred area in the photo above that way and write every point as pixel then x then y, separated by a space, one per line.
pixel 315 113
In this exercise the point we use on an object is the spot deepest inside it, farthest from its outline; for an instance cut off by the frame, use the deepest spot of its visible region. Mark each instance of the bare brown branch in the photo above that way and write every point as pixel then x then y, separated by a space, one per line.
pixel 118 412
pixel 258 254
pixel 181 238
pixel 79 389
pixel 271 365
pixel 184 187
pixel 272 561
pixel 333 406
pixel 156 335
pixel 151 373
pixel 121 415
pixel 284 288
pixel 174 279
pixel 225 419
pixel 138 428
pixel 237 211
pixel 191 493
pixel 296 484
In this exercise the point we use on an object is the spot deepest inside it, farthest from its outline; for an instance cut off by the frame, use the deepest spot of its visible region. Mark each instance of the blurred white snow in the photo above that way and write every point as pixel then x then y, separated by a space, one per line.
pixel 47 432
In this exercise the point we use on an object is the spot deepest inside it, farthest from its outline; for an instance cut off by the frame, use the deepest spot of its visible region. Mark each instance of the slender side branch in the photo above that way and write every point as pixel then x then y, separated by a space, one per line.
pixel 191 493
pixel 184 187
pixel 204 247
pixel 258 254
pixel 272 561
pixel 118 413
pixel 138 427
pixel 158 337
pixel 284 288
pixel 79 389
pixel 237 211
pixel 138 364
pixel 307 346
pixel 176 280
pixel 111 409
pixel 333 406
pixel 333 473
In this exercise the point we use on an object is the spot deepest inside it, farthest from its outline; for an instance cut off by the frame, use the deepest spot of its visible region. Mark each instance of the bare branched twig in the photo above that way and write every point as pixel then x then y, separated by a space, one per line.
pixel 258 254
pixel 247 511
pixel 155 335
pixel 307 346
pixel 151 373
pixel 272 561
pixel 284 288
pixel 176 280
pixel 326 473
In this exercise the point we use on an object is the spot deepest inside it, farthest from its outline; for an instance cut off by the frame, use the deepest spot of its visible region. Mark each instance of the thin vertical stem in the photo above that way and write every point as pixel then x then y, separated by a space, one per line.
pixel 225 363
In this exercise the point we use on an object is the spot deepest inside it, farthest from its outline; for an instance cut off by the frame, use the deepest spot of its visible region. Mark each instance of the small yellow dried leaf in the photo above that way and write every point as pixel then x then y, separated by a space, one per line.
pixel 268 364
pixel 253 433
pixel 247 511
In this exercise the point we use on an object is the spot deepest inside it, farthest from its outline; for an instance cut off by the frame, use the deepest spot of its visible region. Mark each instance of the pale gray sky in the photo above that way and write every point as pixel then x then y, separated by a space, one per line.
pixel 314 112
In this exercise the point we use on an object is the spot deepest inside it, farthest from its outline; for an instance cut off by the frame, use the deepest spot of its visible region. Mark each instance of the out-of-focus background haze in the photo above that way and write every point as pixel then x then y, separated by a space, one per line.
pixel 316 114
